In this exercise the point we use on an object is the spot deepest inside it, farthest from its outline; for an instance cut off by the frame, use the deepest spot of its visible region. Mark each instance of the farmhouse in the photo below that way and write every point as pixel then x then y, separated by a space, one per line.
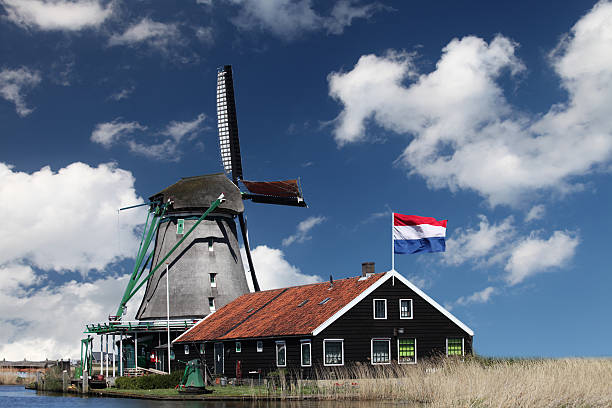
pixel 376 318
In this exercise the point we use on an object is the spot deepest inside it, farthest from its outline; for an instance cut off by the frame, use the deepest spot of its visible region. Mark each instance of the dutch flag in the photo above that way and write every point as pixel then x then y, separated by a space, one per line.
pixel 413 234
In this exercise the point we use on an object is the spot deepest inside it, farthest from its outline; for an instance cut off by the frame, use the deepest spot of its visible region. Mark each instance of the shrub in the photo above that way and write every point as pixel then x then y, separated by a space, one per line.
pixel 150 382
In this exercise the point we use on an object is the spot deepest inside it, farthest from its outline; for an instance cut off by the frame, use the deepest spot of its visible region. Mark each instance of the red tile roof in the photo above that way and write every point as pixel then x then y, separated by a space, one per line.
pixel 278 312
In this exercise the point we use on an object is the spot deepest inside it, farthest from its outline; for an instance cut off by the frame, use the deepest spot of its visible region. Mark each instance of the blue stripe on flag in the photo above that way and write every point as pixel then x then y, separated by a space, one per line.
pixel 413 246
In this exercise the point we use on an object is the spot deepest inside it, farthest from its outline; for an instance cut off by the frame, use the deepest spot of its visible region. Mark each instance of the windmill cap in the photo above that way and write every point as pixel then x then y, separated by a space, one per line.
pixel 199 192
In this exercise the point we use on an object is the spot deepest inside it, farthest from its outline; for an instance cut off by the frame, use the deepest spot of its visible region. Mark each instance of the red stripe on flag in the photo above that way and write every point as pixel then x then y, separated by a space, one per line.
pixel 401 219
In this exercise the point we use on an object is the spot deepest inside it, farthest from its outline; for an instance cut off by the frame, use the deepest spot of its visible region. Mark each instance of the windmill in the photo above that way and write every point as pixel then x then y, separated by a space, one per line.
pixel 195 261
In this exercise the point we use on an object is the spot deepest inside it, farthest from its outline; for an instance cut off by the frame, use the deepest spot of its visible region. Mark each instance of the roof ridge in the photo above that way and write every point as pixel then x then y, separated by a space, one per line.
pixel 314 283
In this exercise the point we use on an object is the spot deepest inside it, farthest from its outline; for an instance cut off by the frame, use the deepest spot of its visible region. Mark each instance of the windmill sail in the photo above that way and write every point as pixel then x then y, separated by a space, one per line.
pixel 229 144
pixel 284 192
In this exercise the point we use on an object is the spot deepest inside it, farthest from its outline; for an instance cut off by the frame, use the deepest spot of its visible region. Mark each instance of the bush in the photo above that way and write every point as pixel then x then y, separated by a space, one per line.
pixel 149 382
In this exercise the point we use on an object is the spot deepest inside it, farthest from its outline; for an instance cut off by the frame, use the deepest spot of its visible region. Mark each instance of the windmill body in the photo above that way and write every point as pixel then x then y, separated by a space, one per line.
pixel 206 270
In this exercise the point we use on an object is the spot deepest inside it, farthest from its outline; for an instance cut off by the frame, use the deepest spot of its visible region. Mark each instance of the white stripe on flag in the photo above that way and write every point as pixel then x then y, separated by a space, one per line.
pixel 401 232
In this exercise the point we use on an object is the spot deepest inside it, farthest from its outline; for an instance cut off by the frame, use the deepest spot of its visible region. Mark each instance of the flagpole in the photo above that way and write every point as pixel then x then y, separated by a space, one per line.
pixel 392 244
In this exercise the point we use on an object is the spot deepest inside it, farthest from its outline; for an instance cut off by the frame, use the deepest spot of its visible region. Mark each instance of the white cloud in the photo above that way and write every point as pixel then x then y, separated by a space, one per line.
pixel 535 213
pixel 109 133
pixel 473 245
pixel 344 12
pixel 48 322
pixel 164 146
pixel 482 296
pixel 178 130
pixel 534 255
pixel 62 221
pixel 205 35
pixel 122 94
pixel 273 271
pixel 165 150
pixel 289 18
pixel 13 85
pixel 302 230
pixel 67 220
pixel 465 134
pixel 498 244
pixel 157 35
pixel 57 14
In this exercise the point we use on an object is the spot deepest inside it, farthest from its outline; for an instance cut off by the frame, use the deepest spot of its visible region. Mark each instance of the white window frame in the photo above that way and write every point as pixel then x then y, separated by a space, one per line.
pixel 259 349
pixel 342 342
pixel 388 340
pixel 411 309
pixel 462 345
pixel 415 351
pixel 202 348
pixel 213 279
pixel 238 346
pixel 186 349
pixel 284 344
pixel 374 309
pixel 302 343
pixel 212 307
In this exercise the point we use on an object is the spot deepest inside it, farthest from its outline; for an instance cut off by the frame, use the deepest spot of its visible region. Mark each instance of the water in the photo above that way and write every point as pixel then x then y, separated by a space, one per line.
pixel 16 396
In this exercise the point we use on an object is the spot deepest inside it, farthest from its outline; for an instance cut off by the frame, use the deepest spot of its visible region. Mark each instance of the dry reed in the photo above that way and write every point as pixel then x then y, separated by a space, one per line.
pixel 477 383
pixel 11 378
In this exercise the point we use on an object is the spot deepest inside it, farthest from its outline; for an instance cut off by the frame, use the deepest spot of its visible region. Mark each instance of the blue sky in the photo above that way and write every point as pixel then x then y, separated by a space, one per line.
pixel 493 116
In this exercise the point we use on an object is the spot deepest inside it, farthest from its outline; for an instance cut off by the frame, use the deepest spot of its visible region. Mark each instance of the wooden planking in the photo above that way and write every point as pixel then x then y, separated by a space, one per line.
pixel 357 327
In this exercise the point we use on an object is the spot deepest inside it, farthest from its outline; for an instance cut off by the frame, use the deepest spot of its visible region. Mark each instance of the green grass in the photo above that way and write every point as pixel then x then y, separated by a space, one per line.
pixel 217 391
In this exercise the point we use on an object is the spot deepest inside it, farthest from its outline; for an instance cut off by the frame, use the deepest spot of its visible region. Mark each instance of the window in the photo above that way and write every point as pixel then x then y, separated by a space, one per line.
pixel 406 351
pixel 324 301
pixel 202 348
pixel 211 304
pixel 180 226
pixel 213 280
pixel 186 349
pixel 238 347
pixel 405 306
pixel 259 346
pixel 305 353
pixel 210 245
pixel 281 354
pixel 454 347
pixel 381 351
pixel 380 308
pixel 303 302
pixel 333 352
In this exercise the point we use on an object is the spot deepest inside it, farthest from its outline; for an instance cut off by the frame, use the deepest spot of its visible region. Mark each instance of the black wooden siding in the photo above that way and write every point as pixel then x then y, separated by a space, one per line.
pixel 357 328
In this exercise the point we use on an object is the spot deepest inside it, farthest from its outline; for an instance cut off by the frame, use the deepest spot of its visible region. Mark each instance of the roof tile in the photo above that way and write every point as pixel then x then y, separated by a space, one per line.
pixel 277 312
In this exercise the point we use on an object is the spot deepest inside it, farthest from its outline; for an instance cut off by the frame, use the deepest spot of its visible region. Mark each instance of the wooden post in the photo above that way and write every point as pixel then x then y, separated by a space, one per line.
pixel 121 355
pixel 101 356
pixel 85 388
pixel 114 372
pixel 106 356
pixel 136 352
pixel 65 381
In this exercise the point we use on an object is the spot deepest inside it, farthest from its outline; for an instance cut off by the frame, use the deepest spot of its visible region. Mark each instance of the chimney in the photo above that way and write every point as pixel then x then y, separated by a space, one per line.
pixel 367 268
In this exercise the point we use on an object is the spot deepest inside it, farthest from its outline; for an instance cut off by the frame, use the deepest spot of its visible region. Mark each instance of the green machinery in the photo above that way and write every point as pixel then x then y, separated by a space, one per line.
pixel 193 381
pixel 86 358
pixel 142 259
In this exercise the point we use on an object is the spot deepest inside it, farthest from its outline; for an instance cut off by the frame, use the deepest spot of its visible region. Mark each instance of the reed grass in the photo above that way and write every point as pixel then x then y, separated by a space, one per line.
pixel 474 382
pixel 8 377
